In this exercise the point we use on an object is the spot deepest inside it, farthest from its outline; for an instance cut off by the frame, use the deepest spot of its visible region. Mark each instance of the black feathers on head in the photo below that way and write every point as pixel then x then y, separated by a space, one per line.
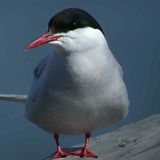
pixel 71 19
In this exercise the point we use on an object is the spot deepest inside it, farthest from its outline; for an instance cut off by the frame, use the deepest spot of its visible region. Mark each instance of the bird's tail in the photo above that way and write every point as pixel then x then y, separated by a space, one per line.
pixel 13 98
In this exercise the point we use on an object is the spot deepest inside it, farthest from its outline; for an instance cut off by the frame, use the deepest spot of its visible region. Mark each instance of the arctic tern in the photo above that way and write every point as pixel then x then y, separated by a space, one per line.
pixel 79 87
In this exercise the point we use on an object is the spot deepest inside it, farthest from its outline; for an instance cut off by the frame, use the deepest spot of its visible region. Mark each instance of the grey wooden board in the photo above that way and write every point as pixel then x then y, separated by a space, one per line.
pixel 137 141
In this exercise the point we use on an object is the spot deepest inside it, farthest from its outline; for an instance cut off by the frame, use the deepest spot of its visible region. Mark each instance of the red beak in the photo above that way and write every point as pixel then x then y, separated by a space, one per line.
pixel 44 39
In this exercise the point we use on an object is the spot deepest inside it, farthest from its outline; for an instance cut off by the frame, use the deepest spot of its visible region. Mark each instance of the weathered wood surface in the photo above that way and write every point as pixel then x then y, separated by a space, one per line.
pixel 138 141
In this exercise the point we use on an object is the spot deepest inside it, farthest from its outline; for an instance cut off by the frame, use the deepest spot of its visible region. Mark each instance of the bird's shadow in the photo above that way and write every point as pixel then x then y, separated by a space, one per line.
pixel 71 149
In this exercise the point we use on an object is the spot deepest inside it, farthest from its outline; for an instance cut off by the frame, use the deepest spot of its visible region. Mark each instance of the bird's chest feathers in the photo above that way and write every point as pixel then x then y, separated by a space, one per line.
pixel 86 68
pixel 76 74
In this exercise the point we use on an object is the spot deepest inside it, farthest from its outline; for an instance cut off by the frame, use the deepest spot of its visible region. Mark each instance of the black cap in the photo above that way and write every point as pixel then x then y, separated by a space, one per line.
pixel 71 19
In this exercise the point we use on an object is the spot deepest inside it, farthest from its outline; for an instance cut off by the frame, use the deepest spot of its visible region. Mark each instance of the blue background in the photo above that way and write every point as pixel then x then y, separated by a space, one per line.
pixel 132 31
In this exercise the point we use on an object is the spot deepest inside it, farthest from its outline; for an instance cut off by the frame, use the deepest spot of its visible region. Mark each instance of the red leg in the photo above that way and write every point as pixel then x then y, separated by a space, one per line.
pixel 59 153
pixel 85 152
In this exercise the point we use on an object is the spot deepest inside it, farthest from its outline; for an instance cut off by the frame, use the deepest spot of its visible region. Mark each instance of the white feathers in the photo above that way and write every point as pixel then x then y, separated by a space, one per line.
pixel 81 87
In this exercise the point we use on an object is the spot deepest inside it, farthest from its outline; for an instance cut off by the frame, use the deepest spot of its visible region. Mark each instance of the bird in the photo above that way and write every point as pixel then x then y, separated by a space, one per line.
pixel 79 87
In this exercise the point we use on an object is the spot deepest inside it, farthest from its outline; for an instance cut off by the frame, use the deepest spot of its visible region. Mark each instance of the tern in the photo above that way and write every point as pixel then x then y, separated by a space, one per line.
pixel 79 87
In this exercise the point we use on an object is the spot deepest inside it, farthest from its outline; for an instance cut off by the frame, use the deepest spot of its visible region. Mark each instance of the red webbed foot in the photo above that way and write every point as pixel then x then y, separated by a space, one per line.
pixel 85 153
pixel 60 154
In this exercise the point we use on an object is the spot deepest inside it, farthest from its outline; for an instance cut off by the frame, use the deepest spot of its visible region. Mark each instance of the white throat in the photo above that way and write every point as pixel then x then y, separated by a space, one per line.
pixel 81 40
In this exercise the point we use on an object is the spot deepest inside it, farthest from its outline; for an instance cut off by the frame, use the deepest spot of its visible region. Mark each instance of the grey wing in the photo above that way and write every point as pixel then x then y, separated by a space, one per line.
pixel 40 67
pixel 38 74
pixel 23 98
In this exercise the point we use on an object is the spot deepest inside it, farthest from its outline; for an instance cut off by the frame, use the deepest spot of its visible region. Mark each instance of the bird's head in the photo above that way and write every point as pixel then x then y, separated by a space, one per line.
pixel 71 30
